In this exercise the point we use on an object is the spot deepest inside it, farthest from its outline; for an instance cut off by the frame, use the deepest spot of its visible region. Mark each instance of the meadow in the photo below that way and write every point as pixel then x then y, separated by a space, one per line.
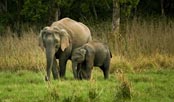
pixel 142 67
pixel 151 86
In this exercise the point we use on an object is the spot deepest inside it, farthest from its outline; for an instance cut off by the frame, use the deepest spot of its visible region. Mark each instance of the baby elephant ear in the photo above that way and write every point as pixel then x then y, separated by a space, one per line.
pixel 83 51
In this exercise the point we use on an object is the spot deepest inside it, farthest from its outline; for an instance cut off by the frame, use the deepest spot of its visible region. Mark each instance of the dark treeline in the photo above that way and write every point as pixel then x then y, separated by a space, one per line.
pixel 13 13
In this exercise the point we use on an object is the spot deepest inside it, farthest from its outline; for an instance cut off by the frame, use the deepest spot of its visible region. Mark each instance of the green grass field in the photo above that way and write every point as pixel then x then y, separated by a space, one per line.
pixel 29 86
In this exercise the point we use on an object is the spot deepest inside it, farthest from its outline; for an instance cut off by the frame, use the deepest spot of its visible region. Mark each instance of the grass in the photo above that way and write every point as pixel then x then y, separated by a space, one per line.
pixel 154 84
pixel 21 53
pixel 151 86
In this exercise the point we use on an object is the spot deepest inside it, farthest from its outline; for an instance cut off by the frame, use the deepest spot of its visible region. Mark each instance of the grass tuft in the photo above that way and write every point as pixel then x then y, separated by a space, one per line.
pixel 123 90
pixel 119 63
pixel 94 92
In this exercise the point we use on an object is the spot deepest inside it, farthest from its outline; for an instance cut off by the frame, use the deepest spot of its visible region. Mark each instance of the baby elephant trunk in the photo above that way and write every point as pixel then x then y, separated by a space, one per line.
pixel 84 74
pixel 74 66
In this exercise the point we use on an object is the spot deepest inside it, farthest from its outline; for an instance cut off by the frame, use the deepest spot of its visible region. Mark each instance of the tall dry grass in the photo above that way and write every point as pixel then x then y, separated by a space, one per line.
pixel 147 44
pixel 141 36
pixel 21 53
pixel 150 37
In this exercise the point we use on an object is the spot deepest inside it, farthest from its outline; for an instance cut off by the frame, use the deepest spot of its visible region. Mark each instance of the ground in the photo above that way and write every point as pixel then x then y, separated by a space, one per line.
pixel 29 86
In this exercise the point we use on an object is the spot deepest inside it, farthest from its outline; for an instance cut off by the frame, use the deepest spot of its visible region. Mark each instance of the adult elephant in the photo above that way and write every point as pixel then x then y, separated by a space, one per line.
pixel 59 40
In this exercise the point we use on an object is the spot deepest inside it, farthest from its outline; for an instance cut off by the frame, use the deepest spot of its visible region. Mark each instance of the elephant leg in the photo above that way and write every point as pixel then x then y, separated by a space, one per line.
pixel 55 71
pixel 47 77
pixel 79 66
pixel 105 69
pixel 75 69
pixel 62 65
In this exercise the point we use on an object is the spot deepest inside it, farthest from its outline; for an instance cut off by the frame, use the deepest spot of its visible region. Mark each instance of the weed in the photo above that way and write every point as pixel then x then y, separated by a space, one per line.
pixel 123 91
pixel 74 97
pixel 68 99
pixel 94 92
pixel 52 95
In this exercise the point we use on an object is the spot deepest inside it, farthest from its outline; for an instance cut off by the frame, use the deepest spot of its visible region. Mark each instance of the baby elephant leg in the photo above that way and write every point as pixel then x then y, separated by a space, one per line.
pixel 105 69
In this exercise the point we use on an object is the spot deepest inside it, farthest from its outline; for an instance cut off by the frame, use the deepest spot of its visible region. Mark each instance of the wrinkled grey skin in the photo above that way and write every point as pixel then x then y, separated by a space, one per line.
pixel 59 40
pixel 91 54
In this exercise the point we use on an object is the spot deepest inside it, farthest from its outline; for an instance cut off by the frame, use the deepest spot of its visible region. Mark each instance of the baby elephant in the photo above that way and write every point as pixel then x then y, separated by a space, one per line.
pixel 91 54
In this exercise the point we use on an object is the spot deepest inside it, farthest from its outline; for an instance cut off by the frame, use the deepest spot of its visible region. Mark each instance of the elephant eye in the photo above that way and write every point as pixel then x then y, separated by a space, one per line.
pixel 81 55
pixel 57 46
pixel 55 40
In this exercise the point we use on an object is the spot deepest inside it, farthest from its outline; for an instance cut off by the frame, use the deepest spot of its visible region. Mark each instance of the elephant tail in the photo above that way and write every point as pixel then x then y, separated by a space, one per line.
pixel 110 53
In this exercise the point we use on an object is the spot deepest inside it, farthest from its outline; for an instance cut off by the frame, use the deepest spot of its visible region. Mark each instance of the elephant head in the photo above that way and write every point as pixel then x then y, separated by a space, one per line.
pixel 78 55
pixel 52 39
pixel 78 63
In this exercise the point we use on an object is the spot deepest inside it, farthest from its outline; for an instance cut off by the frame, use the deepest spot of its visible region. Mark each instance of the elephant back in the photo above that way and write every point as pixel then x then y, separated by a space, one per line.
pixel 79 33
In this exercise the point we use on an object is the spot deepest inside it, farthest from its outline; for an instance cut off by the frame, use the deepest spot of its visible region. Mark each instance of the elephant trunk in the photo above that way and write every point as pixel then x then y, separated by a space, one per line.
pixel 74 66
pixel 85 74
pixel 50 52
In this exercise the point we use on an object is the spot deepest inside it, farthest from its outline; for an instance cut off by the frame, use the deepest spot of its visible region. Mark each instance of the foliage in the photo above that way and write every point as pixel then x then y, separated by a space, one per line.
pixel 34 10
pixel 43 11
pixel 127 6
pixel 85 9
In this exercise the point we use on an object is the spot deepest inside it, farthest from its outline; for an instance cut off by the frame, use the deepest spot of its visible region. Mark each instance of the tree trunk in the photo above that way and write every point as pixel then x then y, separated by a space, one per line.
pixel 115 26
pixel 94 10
pixel 54 11
pixel 162 8
pixel 57 11
pixel 3 6
pixel 57 15
pixel 116 17
pixel 18 20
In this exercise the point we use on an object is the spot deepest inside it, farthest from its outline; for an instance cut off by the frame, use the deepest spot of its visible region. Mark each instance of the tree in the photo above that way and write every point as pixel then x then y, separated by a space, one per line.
pixel 3 6
pixel 121 12
pixel 162 7
pixel 116 17
pixel 54 10
pixel 115 23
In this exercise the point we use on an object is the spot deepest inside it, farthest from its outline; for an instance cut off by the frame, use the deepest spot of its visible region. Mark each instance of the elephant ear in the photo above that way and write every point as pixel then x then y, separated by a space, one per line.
pixel 41 37
pixel 65 41
pixel 83 52
pixel 57 31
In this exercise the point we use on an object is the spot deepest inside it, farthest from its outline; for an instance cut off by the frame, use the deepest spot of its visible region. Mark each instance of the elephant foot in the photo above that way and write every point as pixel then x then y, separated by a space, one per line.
pixel 46 78
pixel 55 76
pixel 62 77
